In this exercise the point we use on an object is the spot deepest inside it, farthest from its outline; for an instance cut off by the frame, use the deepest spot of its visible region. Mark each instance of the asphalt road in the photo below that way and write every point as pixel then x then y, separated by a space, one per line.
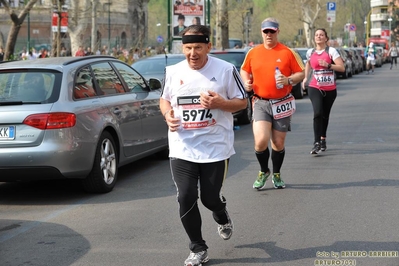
pixel 339 207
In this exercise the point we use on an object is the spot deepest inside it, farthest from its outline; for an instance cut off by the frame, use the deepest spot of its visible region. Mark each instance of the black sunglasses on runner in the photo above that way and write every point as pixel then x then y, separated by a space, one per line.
pixel 269 31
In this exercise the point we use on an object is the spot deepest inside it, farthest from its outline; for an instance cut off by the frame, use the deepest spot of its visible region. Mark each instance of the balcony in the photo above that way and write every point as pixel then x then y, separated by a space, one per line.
pixel 376 3
pixel 375 31
pixel 379 17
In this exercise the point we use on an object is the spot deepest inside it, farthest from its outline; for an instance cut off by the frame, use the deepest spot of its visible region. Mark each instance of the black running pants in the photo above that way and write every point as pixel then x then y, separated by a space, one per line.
pixel 210 176
pixel 322 102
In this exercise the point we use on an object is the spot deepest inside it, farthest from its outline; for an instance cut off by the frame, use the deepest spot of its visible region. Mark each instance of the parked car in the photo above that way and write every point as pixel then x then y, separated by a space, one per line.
pixel 347 64
pixel 236 57
pixel 353 63
pixel 302 52
pixel 297 90
pixel 357 63
pixel 360 52
pixel 154 66
pixel 235 43
pixel 70 117
pixel 380 57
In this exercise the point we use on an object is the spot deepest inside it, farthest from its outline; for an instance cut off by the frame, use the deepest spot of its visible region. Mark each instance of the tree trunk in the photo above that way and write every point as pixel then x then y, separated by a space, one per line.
pixel 138 13
pixel 222 24
pixel 16 22
pixel 56 45
pixel 309 17
pixel 77 23
pixel 94 41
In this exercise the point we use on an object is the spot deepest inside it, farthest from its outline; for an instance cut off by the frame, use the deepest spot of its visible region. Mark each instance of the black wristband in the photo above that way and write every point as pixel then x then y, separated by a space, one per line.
pixel 329 66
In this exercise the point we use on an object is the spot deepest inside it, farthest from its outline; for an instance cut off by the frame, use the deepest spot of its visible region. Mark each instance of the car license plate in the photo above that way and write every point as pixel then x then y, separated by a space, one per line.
pixel 7 133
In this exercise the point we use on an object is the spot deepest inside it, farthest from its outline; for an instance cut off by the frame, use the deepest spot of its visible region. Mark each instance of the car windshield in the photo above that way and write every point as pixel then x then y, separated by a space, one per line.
pixel 235 58
pixel 18 87
pixel 380 45
pixel 154 66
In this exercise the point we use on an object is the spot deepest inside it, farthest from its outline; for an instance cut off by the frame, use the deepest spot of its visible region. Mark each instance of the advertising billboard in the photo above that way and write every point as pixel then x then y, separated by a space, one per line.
pixel 64 22
pixel 185 13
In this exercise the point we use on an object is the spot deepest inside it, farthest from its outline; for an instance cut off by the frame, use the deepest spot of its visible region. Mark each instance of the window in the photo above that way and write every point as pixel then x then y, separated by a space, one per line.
pixel 107 79
pixel 133 80
pixel 84 87
pixel 28 87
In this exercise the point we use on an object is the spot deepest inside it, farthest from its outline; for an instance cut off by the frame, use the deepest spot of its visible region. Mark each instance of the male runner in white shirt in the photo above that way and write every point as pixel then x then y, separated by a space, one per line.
pixel 198 99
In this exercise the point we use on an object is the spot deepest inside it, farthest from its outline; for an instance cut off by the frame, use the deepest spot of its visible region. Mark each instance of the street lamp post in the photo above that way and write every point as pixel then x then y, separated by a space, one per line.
pixel 389 20
pixel 158 30
pixel 347 33
pixel 109 25
pixel 28 42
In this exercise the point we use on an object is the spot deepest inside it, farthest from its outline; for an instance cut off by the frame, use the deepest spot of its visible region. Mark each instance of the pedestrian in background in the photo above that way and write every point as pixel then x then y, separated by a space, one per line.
pixel 370 54
pixel 322 61
pixel 270 94
pixel 88 51
pixel 136 54
pixel 1 54
pixel 80 51
pixel 198 99
pixel 43 53
pixel 393 53
pixel 63 51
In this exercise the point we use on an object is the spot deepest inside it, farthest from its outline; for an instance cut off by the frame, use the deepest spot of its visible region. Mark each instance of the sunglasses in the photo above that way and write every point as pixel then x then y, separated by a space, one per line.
pixel 269 31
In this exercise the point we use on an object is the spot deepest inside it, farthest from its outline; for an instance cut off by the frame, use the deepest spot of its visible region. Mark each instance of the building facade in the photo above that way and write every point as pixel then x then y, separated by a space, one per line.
pixel 381 21
pixel 118 24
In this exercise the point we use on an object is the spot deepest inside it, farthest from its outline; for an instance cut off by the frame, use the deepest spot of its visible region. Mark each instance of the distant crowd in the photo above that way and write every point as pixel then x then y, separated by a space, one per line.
pixel 126 55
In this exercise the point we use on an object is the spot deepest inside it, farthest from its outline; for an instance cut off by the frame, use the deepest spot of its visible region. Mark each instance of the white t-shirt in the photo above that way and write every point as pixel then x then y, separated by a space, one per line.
pixel 333 53
pixel 204 135
pixel 371 54
pixel 394 51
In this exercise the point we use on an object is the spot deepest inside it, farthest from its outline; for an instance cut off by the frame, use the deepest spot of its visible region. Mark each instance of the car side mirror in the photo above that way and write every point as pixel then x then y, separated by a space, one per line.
pixel 154 84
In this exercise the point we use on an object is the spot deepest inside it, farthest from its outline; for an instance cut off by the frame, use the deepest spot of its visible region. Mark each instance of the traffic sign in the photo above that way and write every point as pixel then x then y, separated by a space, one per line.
pixel 352 27
pixel 160 39
pixel 331 6
pixel 330 16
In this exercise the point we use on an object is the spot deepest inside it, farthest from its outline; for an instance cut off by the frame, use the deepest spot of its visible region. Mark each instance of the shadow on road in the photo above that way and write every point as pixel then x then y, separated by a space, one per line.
pixel 49 243
pixel 367 183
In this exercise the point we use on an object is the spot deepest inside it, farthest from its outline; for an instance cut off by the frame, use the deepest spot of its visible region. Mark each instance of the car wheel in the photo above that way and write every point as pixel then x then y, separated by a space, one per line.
pixel 297 91
pixel 246 116
pixel 103 175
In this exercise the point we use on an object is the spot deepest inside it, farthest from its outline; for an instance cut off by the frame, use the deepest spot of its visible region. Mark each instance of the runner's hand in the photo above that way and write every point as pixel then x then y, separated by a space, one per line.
pixel 172 122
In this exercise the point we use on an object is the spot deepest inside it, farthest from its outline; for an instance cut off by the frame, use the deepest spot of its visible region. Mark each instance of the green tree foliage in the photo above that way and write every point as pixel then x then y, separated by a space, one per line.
pixel 288 13
pixel 290 16
pixel 157 15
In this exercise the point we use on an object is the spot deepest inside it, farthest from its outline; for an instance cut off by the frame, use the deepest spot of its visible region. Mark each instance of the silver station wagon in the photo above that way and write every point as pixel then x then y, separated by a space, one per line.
pixel 71 117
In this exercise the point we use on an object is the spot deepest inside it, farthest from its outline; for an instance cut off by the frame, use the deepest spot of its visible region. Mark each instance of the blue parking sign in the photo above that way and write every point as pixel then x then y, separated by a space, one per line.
pixel 331 6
